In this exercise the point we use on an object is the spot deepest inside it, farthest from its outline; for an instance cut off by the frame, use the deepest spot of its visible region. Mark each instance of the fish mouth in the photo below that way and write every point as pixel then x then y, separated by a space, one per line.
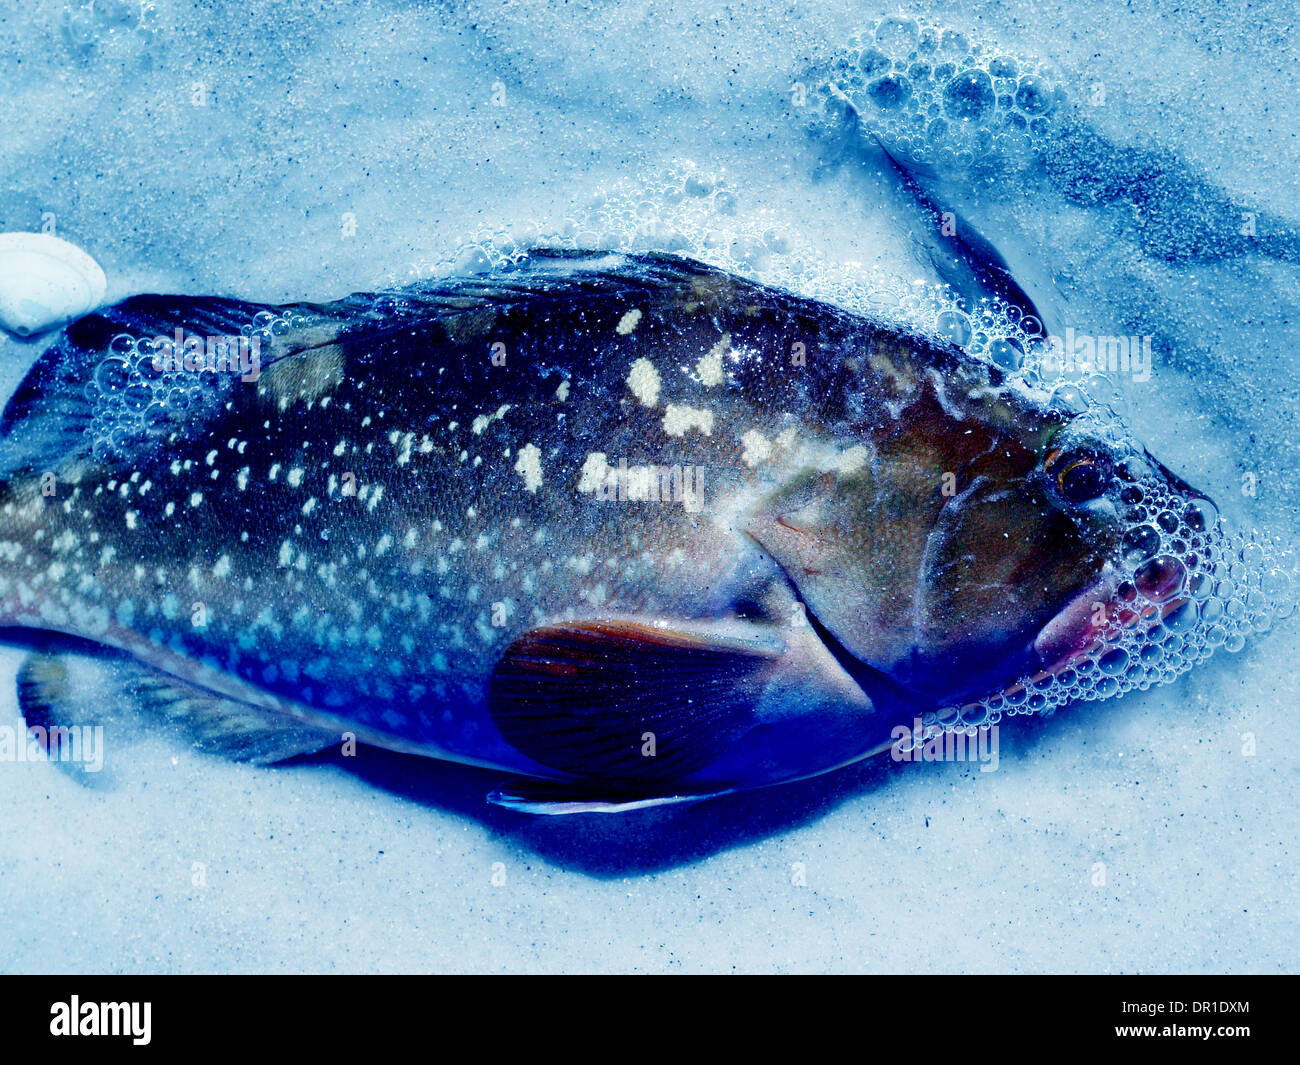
pixel 1077 627
pixel 1085 624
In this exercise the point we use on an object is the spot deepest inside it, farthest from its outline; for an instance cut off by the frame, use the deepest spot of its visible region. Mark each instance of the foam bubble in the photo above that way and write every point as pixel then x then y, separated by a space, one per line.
pixel 937 98
pixel 139 394
pixel 1174 610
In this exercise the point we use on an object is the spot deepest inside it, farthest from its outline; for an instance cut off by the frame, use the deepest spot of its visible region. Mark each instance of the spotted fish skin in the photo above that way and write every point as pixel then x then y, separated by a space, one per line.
pixel 417 480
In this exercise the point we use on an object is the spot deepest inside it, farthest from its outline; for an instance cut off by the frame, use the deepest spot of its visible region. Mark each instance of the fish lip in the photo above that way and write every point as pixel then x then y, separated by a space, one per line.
pixel 1073 630
pixel 1057 655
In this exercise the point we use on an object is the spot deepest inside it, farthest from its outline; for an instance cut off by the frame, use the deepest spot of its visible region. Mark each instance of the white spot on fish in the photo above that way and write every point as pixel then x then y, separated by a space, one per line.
pixel 562 393
pixel 643 380
pixel 484 420
pixel 757 448
pixel 529 466
pixel 593 472
pixel 850 460
pixel 222 568
pixel 678 419
pixel 710 366
pixel 629 321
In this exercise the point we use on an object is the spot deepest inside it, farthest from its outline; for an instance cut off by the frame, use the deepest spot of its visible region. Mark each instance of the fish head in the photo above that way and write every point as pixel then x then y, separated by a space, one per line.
pixel 973 550
pixel 1152 542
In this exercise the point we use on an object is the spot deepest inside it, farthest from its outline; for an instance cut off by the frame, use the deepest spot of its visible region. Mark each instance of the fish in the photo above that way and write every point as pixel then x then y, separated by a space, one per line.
pixel 625 528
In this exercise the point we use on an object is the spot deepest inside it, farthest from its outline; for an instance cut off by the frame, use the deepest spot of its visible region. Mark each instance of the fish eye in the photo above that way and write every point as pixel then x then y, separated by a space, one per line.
pixel 1079 476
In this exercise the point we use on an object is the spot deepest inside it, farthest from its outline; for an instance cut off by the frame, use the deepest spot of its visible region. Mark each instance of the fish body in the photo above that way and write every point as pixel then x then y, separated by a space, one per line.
pixel 624 525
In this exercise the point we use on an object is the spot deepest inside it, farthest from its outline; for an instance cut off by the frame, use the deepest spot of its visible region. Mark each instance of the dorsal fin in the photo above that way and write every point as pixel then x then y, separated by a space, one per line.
pixel 543 274
pixel 79 391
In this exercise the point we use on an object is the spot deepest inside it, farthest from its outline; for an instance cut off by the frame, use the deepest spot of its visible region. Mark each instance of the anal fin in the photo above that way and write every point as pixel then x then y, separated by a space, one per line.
pixel 217 725
pixel 67 690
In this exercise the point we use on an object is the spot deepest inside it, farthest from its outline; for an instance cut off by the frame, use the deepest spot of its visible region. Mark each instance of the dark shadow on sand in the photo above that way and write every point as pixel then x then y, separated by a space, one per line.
pixel 614 844
pixel 611 845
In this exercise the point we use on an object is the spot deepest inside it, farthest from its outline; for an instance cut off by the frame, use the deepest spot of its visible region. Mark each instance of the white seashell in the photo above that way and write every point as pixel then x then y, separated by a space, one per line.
pixel 45 281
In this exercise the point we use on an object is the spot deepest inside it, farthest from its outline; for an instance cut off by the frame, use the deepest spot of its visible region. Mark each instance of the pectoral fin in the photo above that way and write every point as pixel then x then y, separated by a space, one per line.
pixel 57 693
pixel 963 258
pixel 628 704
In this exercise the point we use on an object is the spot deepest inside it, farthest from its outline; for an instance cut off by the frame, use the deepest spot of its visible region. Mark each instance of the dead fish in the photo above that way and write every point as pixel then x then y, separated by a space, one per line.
pixel 625 527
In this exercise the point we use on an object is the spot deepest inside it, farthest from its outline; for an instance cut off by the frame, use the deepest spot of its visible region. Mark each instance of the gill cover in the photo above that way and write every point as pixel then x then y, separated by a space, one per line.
pixel 938 557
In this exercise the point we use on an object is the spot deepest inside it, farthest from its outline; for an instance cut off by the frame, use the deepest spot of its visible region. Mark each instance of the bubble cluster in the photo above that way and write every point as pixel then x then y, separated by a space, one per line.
pixel 935 97
pixel 1000 333
pixel 144 390
pixel 123 27
pixel 991 331
pixel 1189 587
pixel 686 210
